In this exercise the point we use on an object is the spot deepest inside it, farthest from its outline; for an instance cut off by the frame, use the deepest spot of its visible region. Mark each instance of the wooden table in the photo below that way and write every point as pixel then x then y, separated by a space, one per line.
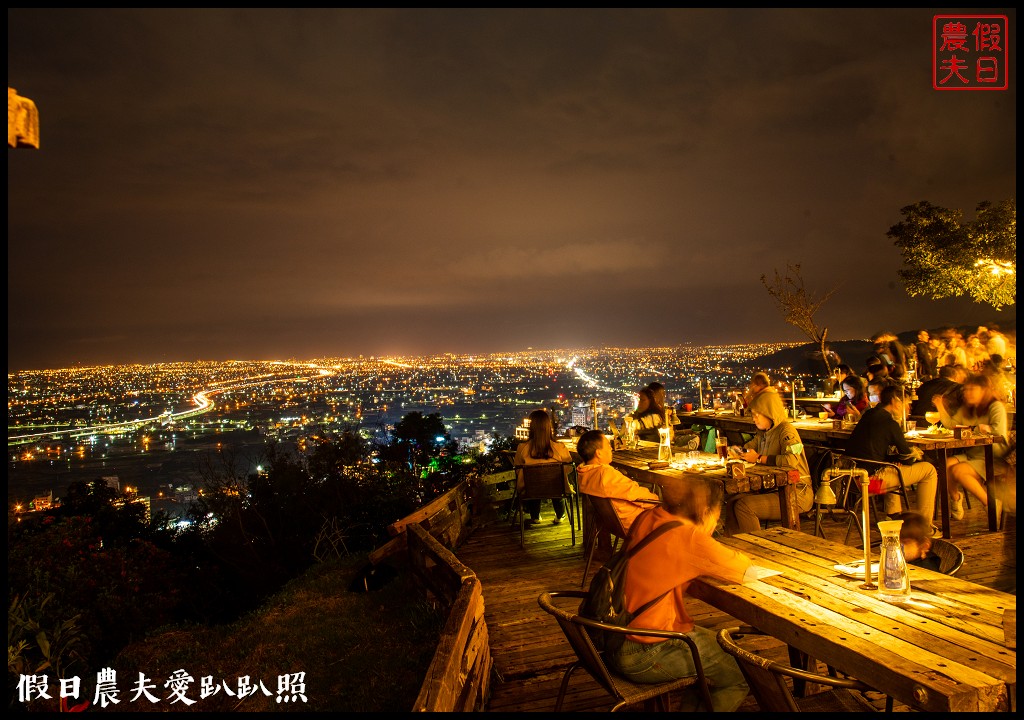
pixel 635 464
pixel 938 451
pixel 822 434
pixel 943 650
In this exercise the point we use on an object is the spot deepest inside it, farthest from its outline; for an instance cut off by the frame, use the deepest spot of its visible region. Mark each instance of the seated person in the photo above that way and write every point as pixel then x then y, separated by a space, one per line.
pixel 650 412
pixel 759 383
pixel 890 351
pixel 840 373
pixel 776 443
pixel 950 377
pixel 875 387
pixel 853 402
pixel 541 448
pixel 667 566
pixel 878 430
pixel 597 477
pixel 916 538
pixel 982 410
pixel 876 370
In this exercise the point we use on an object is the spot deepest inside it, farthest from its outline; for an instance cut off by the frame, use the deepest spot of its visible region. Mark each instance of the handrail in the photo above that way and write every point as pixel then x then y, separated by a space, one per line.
pixel 459 675
pixel 458 679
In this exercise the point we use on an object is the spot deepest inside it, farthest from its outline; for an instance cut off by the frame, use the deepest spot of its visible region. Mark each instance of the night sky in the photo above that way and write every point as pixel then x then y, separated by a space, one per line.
pixel 247 184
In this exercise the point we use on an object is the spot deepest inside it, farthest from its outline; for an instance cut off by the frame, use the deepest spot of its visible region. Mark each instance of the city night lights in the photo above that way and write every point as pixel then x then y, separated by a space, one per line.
pixel 70 422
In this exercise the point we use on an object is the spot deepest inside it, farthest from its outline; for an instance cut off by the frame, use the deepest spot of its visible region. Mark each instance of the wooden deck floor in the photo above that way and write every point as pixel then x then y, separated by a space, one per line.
pixel 529 652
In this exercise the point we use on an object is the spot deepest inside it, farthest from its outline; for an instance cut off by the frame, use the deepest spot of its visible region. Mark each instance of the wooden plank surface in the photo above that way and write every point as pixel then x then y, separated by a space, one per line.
pixel 530 654
pixel 635 464
pixel 937 653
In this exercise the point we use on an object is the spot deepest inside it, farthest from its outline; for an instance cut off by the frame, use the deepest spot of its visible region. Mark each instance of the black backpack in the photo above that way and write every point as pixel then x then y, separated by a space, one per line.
pixel 605 600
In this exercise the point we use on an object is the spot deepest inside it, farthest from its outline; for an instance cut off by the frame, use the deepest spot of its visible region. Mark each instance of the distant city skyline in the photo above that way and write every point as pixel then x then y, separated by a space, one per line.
pixel 302 183
pixel 150 425
pixel 792 336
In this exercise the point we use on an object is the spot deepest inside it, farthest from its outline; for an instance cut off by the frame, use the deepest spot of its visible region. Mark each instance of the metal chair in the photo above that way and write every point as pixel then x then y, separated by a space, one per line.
pixel 545 481
pixel 825 494
pixel 767 680
pixel 850 463
pixel 601 517
pixel 625 692
pixel 951 557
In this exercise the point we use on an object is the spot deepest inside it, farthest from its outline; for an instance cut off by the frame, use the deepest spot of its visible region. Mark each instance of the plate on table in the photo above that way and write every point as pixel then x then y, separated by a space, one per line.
pixel 935 435
pixel 855 569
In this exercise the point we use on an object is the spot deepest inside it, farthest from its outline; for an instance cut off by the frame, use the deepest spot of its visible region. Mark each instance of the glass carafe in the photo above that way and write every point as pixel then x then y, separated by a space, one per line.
pixel 893 578
pixel 629 432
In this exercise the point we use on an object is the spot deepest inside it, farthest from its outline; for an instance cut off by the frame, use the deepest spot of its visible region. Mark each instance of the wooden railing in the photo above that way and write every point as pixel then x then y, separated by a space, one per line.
pixel 458 679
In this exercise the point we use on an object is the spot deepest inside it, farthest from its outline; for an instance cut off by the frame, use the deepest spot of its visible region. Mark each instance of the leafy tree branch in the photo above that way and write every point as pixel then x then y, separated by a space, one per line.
pixel 944 256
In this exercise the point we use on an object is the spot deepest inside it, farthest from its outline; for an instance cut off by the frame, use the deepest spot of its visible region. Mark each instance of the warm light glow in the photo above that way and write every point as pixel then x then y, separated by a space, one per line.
pixel 997 267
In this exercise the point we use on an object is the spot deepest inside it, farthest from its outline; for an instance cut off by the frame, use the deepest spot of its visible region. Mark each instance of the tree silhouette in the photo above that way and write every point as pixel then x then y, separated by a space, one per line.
pixel 799 305
pixel 417 438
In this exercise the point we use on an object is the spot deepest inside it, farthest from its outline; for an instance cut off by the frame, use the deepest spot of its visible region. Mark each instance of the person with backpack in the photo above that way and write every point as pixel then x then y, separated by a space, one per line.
pixel 662 571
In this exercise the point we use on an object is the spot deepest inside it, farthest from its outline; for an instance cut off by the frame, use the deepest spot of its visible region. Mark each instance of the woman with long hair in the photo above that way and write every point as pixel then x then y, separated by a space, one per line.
pixel 853 402
pixel 982 410
pixel 540 448
pixel 650 412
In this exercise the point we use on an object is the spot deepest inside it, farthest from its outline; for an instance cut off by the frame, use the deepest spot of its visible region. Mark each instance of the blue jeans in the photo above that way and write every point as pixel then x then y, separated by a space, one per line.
pixel 671 659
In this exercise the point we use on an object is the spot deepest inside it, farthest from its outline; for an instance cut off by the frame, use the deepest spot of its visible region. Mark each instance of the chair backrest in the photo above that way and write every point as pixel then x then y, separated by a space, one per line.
pixel 544 481
pixel 574 627
pixel 604 516
pixel 767 678
pixel 951 557
pixel 575 632
pixel 766 683
pixel 848 461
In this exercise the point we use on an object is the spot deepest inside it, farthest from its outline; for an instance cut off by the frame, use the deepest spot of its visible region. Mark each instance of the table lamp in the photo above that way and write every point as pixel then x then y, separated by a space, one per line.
pixel 825 495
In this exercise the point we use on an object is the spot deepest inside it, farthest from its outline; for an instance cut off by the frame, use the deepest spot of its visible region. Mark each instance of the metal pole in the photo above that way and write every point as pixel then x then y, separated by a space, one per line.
pixel 903 393
pixel 865 521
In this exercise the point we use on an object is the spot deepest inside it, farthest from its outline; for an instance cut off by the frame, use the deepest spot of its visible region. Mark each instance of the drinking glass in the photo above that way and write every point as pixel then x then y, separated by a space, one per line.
pixel 722 446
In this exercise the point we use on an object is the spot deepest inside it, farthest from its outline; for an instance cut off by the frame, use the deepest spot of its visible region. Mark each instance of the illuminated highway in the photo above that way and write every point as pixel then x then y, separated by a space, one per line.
pixel 202 403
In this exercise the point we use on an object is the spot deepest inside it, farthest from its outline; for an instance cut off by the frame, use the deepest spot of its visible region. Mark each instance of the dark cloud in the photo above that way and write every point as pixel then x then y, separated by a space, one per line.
pixel 337 182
